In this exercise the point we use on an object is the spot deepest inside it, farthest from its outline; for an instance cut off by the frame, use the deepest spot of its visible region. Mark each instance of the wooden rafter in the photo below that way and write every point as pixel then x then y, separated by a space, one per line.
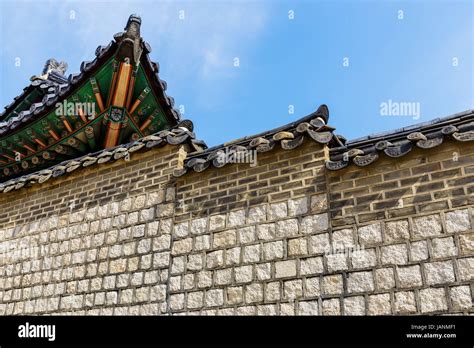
pixel 40 142
pixel 119 99
pixel 140 98
pixel 54 135
pixel 79 109
pixel 123 81
pixel 67 124
pixel 28 147
pixel 97 95
pixel 77 144
pixel 131 88
pixel 148 121
pixel 115 67
pixel 8 157
pixel 112 134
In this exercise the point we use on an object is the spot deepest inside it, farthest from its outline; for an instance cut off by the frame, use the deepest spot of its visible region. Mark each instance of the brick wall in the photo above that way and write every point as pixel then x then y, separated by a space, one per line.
pixel 94 242
pixel 249 240
pixel 414 217
pixel 283 237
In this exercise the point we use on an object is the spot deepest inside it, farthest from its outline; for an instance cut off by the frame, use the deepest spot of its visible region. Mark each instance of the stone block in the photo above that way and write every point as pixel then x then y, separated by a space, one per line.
pixel 461 298
pixel 458 221
pixel 360 282
pixel 224 239
pixel 405 302
pixel 433 300
pixel 397 231
pixel 313 265
pixel 308 308
pixel 354 305
pixel 370 234
pixel 314 223
pixel 427 226
pixel 343 239
pixel 409 277
pixel 332 285
pixel 297 206
pixel 278 211
pixel 237 218
pixel 439 272
pixel 394 254
pixel 379 304
pixel 285 269
pixel 443 247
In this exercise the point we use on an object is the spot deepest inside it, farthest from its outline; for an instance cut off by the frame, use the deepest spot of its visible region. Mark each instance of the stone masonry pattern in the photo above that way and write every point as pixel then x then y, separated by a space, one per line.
pixel 285 237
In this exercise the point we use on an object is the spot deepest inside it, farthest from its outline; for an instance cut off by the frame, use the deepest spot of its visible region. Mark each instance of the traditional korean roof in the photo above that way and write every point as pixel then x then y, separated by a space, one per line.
pixel 290 136
pixel 399 142
pixel 34 97
pixel 361 152
pixel 116 98
pixel 182 134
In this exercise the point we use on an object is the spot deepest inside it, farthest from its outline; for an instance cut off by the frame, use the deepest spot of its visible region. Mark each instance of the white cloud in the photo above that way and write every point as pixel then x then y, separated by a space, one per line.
pixel 206 40
pixel 202 45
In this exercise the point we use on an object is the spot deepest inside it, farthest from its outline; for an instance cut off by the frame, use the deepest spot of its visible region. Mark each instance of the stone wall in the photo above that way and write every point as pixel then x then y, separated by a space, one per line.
pixel 250 240
pixel 414 217
pixel 94 242
pixel 283 237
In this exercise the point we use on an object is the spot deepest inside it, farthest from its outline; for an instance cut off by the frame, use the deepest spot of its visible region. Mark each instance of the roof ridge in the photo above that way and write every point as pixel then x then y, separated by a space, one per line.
pixel 397 143
pixel 289 136
pixel 433 121
pixel 322 112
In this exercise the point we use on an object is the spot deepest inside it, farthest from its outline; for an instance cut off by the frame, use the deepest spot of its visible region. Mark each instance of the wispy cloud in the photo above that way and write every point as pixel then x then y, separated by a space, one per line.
pixel 198 39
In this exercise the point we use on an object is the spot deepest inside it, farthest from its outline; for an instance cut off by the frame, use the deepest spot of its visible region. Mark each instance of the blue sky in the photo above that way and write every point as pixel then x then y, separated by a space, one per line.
pixel 291 57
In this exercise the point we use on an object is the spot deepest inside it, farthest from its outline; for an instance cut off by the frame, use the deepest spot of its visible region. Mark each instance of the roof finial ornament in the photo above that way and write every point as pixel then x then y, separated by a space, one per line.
pixel 134 18
pixel 187 124
pixel 51 67
pixel 130 41
pixel 323 112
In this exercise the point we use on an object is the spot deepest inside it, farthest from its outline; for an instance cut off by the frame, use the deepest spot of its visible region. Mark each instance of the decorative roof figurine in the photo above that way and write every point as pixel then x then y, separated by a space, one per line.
pixel 51 67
